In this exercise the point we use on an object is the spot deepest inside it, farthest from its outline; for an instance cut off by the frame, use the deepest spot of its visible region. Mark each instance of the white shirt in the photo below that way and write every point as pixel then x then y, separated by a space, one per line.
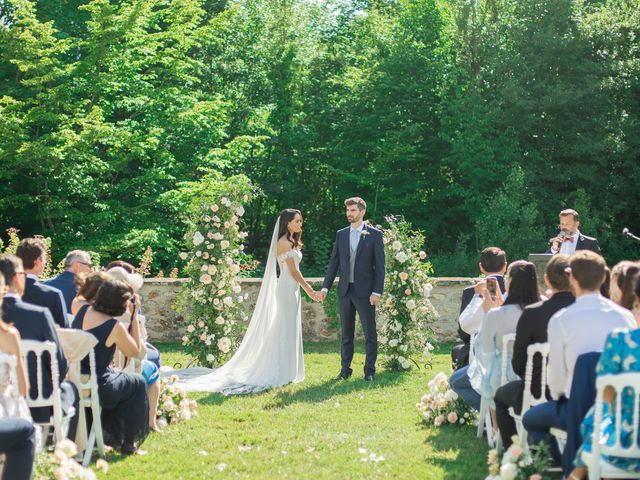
pixel 351 230
pixel 580 328
pixel 471 317
pixel 567 247
pixel 32 276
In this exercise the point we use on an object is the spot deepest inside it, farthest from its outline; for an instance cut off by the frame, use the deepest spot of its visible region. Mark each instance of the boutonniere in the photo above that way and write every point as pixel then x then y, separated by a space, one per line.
pixel 364 233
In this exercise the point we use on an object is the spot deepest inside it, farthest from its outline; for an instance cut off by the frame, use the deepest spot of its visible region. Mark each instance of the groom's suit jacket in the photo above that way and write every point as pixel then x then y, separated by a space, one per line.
pixel 369 263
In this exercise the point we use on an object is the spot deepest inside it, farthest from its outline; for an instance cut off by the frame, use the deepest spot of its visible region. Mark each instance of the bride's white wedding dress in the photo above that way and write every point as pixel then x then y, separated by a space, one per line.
pixel 270 354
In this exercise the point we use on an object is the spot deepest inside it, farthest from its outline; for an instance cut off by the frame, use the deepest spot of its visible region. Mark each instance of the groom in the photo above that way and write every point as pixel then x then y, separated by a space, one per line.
pixel 358 255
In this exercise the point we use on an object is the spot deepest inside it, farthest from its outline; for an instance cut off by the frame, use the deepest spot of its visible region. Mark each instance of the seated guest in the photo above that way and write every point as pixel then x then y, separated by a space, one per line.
pixel 493 263
pixel 33 253
pixel 570 240
pixel 621 354
pixel 532 328
pixel 141 364
pixel 152 354
pixel 35 323
pixel 605 289
pixel 17 434
pixel 76 261
pixel 123 395
pixel 622 285
pixel 88 286
pixel 580 328
pixel 501 318
pixel 468 381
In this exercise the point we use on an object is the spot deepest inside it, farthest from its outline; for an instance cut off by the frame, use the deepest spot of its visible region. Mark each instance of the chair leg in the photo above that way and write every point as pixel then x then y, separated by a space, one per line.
pixel 96 412
pixel 489 428
pixel 90 443
pixel 481 417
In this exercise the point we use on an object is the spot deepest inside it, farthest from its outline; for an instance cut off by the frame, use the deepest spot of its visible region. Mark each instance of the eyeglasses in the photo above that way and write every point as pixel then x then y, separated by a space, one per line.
pixel 21 273
pixel 90 265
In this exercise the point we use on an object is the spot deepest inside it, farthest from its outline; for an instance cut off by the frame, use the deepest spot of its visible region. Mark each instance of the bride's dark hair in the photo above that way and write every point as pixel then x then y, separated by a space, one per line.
pixel 287 215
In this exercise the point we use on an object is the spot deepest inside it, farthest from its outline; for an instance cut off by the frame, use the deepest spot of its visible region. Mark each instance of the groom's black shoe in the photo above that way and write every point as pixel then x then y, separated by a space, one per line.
pixel 368 377
pixel 344 374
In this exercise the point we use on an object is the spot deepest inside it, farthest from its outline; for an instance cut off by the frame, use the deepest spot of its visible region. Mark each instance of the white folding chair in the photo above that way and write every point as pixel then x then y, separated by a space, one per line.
pixel 88 388
pixel 507 342
pixel 58 420
pixel 597 466
pixel 484 416
pixel 528 399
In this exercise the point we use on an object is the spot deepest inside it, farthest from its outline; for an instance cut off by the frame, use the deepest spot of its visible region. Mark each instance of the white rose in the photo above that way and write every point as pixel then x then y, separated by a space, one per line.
pixel 224 344
pixel 214 208
pixel 401 257
pixel 198 238
pixel 240 211
pixel 210 358
pixel 218 236
pixel 224 244
pixel 203 268
pixel 423 255
pixel 393 342
pixel 396 245
pixel 183 255
pixel 227 300
pixel 235 268
pixel 212 270
pixel 245 197
pixel 205 279
pixel 427 290
pixel 411 304
pixel 236 289
pixel 240 299
pixel 198 253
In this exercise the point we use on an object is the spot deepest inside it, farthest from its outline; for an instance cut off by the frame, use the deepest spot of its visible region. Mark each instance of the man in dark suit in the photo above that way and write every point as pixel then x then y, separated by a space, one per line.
pixel 33 253
pixel 493 263
pixel 76 261
pixel 358 256
pixel 35 323
pixel 532 328
pixel 570 239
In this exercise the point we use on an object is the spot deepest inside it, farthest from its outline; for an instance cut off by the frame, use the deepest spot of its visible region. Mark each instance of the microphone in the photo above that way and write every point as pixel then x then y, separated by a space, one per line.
pixel 627 233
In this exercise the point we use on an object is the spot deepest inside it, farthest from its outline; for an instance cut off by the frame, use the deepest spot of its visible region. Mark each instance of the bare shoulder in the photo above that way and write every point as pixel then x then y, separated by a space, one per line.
pixel 284 245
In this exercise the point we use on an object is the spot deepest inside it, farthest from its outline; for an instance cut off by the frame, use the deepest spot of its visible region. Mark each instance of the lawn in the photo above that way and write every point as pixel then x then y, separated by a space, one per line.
pixel 317 429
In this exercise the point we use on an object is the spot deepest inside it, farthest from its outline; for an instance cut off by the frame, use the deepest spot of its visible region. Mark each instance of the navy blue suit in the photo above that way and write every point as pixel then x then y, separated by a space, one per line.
pixel 35 323
pixel 66 283
pixel 37 293
pixel 369 272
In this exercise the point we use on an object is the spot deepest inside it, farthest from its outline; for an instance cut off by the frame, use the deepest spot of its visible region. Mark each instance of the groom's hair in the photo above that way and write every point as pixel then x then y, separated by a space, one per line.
pixel 360 203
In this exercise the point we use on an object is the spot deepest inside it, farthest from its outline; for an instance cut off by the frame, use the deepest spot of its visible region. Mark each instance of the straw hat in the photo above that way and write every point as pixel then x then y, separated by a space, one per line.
pixel 135 280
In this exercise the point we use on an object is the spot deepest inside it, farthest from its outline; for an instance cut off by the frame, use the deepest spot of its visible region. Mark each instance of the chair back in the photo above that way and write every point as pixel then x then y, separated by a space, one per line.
pixel 37 349
pixel 507 342
pixel 528 399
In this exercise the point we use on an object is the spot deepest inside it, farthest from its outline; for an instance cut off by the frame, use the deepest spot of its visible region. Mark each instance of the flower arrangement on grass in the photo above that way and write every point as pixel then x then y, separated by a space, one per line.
pixel 441 405
pixel 518 463
pixel 61 465
pixel 405 308
pixel 174 404
pixel 212 299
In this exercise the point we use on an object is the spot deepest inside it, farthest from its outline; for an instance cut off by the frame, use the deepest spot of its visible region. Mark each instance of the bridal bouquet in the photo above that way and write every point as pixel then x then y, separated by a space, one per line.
pixel 405 308
pixel 441 405
pixel 518 464
pixel 212 299
pixel 174 404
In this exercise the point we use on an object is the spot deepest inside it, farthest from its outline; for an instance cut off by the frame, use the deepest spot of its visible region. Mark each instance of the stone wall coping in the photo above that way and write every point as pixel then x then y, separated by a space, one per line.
pixel 441 281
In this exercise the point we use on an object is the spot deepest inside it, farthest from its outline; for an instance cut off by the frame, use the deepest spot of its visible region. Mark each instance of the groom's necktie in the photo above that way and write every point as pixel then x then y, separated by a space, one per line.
pixel 355 237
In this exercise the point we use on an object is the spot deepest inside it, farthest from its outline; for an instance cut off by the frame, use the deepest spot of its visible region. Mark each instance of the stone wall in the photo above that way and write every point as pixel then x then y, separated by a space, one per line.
pixel 163 323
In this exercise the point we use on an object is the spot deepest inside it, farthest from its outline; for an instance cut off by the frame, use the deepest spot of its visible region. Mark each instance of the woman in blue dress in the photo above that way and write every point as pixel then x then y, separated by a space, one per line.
pixel 621 354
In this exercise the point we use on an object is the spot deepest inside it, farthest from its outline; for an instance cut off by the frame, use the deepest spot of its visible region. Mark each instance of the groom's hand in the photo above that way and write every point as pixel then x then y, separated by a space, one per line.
pixel 374 299
pixel 320 296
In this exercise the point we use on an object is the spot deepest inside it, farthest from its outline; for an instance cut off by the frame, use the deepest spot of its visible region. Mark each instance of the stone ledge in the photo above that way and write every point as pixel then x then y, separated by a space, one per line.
pixel 163 323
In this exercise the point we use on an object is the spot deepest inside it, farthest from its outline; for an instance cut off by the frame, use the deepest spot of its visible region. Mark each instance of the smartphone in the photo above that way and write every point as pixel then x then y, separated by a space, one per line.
pixel 492 286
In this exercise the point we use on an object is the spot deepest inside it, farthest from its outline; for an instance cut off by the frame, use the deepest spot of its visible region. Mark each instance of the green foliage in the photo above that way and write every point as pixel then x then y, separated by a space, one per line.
pixel 436 110
pixel 211 300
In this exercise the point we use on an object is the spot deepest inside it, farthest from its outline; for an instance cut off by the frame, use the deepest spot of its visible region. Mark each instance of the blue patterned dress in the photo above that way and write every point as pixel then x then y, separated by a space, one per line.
pixel 621 355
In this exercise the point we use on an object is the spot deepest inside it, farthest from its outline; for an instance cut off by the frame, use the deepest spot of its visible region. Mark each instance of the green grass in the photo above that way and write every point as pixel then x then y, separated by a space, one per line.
pixel 312 430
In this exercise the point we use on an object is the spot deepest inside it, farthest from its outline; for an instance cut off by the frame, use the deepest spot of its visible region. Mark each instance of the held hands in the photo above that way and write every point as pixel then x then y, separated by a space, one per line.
pixel 317 296
pixel 374 299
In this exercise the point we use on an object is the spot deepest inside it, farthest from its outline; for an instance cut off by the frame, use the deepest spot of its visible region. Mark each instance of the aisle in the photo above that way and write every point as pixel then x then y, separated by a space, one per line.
pixel 317 429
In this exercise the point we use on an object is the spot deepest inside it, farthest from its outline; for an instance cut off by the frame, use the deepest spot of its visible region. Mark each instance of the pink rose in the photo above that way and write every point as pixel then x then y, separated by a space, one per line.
pixel 452 417
pixel 407 291
pixel 535 476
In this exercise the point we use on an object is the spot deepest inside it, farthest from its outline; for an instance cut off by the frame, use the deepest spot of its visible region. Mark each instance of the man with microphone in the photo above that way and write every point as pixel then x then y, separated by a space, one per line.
pixel 570 240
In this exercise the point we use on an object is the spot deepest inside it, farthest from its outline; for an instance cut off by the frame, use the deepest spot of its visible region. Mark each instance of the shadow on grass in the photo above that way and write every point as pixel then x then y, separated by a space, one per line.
pixel 318 393
pixel 458 451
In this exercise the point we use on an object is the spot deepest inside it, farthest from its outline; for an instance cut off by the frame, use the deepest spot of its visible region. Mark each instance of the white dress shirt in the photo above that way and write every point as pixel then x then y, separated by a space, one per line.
pixel 567 247
pixel 580 328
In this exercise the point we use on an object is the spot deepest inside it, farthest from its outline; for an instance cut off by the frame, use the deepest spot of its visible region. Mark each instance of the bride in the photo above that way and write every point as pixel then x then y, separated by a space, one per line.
pixel 270 354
